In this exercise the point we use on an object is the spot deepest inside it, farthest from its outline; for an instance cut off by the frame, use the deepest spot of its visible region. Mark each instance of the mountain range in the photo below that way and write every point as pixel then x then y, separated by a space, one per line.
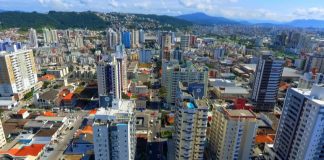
pixel 204 19
pixel 100 21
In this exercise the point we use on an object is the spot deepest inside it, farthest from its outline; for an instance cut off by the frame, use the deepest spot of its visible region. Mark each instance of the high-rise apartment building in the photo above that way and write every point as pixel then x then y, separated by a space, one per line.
pixel 185 42
pixel 300 132
pixel 2 136
pixel 114 135
pixel 50 36
pixel 266 82
pixel 126 39
pixel 33 41
pixel 141 36
pixel 232 133
pixel 173 73
pixel 190 128
pixel 165 43
pixel 112 76
pixel 314 61
pixel 18 74
pixel 135 38
pixel 112 39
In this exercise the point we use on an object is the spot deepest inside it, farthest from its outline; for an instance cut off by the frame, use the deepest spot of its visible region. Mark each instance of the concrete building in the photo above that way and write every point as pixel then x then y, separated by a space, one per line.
pixel 135 38
pixel 145 55
pixel 126 39
pixel 185 42
pixel 141 36
pixel 165 44
pixel 266 82
pixel 173 73
pixel 112 39
pixel 190 126
pixel 232 133
pixel 33 41
pixel 300 132
pixel 112 76
pixel 114 132
pixel 18 74
pixel 2 136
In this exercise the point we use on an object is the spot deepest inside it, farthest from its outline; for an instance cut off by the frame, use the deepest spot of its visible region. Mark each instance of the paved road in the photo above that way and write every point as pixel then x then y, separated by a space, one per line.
pixel 59 147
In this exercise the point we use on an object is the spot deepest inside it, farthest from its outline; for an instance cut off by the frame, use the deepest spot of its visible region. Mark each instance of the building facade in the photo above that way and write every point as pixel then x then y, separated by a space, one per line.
pixel 18 73
pixel 190 126
pixel 114 134
pixel 300 132
pixel 173 73
pixel 266 82
pixel 232 133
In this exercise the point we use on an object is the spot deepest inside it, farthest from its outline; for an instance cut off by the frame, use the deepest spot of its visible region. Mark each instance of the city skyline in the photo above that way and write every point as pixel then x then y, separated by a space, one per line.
pixel 235 9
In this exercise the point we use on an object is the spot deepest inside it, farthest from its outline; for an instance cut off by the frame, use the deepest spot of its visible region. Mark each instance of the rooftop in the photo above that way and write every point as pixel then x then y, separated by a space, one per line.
pixel 239 113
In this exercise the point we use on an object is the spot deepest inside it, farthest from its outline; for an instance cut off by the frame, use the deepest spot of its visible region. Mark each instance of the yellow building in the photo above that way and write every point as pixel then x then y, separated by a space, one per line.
pixel 18 74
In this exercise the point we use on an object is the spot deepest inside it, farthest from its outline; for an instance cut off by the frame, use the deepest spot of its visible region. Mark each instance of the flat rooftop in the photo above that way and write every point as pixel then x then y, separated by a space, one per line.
pixel 239 113
pixel 287 72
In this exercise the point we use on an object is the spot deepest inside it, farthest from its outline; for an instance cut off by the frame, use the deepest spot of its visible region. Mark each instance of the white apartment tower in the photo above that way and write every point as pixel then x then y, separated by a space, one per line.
pixel 135 38
pixel 190 125
pixel 112 39
pixel 173 73
pixel 266 82
pixel 114 135
pixel 185 42
pixel 18 73
pixel 33 38
pixel 300 132
pixel 232 133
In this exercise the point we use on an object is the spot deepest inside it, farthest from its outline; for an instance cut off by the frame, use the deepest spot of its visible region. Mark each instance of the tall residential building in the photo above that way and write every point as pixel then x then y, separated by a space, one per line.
pixel 300 132
pixel 185 42
pixel 232 133
pixel 114 135
pixel 50 36
pixel 112 76
pixel 33 38
pixel 135 38
pixel 266 82
pixel 18 74
pixel 173 73
pixel 165 44
pixel 145 55
pixel 141 36
pixel 314 61
pixel 121 59
pixel 190 125
pixel 126 39
pixel 112 39
pixel 2 136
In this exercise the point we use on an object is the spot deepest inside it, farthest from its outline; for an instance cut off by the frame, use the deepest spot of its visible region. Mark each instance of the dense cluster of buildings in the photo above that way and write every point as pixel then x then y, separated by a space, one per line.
pixel 176 94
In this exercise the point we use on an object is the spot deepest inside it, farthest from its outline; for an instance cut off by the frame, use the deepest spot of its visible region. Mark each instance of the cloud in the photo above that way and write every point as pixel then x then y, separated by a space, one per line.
pixel 56 4
pixel 142 4
pixel 313 12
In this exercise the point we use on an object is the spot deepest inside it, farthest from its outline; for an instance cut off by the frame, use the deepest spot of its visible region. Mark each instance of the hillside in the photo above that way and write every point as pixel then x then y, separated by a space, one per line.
pixel 204 19
pixel 90 20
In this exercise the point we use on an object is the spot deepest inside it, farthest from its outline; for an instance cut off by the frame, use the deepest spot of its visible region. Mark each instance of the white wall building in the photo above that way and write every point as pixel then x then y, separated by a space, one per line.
pixel 300 133
pixel 114 132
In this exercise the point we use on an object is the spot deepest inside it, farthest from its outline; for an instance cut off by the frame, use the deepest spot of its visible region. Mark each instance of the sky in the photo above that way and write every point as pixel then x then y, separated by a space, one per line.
pixel 275 10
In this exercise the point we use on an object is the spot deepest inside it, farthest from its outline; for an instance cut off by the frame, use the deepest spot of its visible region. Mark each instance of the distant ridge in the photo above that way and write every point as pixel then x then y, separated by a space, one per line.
pixel 90 20
pixel 204 19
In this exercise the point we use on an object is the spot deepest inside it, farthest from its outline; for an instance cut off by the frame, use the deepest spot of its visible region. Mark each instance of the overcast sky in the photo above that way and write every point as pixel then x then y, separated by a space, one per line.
pixel 278 10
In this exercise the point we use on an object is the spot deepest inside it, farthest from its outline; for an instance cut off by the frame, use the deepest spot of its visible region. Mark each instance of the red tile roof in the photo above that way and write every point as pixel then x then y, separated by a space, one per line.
pixel 68 97
pixel 22 111
pixel 32 150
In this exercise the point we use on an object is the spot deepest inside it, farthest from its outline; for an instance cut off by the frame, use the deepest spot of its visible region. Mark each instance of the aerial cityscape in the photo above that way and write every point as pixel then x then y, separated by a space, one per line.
pixel 161 80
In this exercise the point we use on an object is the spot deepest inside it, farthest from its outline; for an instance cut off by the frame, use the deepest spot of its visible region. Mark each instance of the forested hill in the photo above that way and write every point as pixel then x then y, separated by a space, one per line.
pixel 90 20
